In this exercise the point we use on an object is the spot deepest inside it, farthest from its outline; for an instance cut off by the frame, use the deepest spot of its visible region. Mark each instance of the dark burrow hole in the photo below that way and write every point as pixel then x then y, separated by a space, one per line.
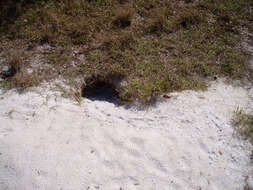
pixel 122 23
pixel 10 72
pixel 101 91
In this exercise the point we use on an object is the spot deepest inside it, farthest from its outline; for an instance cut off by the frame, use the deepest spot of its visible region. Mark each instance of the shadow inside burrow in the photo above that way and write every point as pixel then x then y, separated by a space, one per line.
pixel 101 91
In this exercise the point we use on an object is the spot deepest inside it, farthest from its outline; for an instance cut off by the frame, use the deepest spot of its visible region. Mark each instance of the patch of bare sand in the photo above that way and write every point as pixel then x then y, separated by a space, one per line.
pixel 186 142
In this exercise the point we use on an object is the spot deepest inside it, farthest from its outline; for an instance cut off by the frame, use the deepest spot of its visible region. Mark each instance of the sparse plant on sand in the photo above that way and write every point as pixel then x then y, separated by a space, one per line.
pixel 243 123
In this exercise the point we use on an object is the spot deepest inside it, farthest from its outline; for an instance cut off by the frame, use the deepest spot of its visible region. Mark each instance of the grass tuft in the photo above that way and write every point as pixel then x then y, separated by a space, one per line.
pixel 243 123
pixel 189 16
pixel 158 22
pixel 123 17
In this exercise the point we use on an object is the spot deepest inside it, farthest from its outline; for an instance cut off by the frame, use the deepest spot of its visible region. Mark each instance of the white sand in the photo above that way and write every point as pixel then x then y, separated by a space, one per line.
pixel 184 143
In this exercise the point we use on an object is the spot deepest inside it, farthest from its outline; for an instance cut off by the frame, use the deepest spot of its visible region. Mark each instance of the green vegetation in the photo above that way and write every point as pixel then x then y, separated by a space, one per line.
pixel 154 45
pixel 243 123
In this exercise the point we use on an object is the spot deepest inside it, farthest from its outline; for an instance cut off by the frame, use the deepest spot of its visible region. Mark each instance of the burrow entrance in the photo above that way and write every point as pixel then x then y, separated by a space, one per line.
pixel 101 91
pixel 8 72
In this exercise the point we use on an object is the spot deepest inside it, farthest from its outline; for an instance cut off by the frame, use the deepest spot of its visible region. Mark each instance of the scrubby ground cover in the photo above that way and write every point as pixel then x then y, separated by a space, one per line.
pixel 153 46
pixel 243 123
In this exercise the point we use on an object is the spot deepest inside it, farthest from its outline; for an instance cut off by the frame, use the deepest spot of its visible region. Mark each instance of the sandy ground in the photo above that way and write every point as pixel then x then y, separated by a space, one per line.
pixel 183 143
